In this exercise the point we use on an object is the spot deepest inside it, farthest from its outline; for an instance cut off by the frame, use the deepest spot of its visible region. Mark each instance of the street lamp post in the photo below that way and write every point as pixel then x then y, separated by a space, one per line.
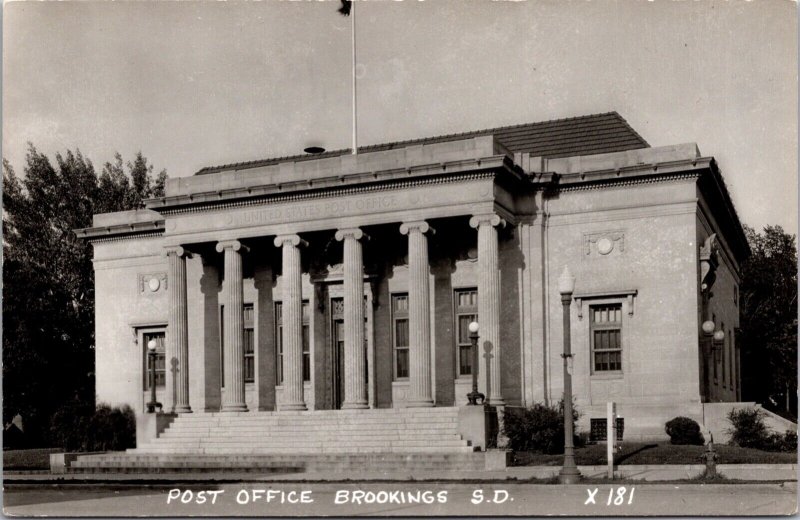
pixel 707 354
pixel 151 351
pixel 473 396
pixel 569 472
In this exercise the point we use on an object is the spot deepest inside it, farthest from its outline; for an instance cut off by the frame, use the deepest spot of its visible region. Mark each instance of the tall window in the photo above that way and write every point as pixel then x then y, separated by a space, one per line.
pixel 714 356
pixel 249 344
pixel 466 312
pixel 731 361
pixel 160 360
pixel 724 356
pixel 279 342
pixel 400 335
pixel 606 335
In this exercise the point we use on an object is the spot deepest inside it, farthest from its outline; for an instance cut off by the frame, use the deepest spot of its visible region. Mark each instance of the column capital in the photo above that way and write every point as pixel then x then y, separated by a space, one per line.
pixel 294 240
pixel 421 225
pixel 232 244
pixel 487 219
pixel 178 251
pixel 351 232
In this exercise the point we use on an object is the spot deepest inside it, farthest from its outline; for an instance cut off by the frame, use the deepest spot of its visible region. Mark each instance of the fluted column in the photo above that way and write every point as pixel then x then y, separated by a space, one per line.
pixel 355 359
pixel 177 330
pixel 292 334
pixel 419 314
pixel 233 324
pixel 489 302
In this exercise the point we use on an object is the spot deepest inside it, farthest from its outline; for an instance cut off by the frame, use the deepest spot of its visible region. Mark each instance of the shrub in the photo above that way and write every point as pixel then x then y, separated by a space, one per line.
pixel 77 428
pixel 112 428
pixel 780 442
pixel 789 441
pixel 748 428
pixel 682 430
pixel 749 431
pixel 538 428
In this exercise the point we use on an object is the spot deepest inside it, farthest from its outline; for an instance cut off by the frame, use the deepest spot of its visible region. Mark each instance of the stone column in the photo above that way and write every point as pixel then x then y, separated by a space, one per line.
pixel 489 303
pixel 355 361
pixel 178 330
pixel 419 388
pixel 292 334
pixel 233 325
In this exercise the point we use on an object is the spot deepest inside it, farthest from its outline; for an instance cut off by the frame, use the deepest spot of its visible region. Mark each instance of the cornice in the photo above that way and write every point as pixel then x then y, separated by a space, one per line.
pixel 659 169
pixel 597 184
pixel 120 231
pixel 335 192
pixel 129 236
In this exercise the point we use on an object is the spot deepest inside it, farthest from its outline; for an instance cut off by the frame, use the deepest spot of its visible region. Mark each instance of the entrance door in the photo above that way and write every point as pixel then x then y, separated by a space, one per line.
pixel 337 351
pixel 338 363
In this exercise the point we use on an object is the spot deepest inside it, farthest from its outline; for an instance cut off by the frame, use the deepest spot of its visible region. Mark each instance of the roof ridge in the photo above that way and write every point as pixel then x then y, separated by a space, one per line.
pixel 629 127
pixel 395 144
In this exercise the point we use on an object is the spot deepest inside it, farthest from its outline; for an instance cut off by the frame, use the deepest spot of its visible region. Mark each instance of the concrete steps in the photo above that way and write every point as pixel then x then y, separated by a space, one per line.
pixel 280 442
pixel 330 431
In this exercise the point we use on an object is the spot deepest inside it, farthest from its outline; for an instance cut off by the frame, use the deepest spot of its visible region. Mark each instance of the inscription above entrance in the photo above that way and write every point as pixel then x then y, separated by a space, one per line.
pixel 314 210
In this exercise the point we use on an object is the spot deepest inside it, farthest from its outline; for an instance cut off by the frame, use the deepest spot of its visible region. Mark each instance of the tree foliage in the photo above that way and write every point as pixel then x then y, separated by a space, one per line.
pixel 48 280
pixel 768 305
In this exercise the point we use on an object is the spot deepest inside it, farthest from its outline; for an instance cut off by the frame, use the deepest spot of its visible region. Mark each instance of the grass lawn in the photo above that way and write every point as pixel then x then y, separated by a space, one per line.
pixel 28 459
pixel 652 453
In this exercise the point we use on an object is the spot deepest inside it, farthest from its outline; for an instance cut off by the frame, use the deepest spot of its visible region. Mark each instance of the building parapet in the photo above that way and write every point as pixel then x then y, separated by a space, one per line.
pixel 333 182
pixel 419 156
pixel 122 224
pixel 615 160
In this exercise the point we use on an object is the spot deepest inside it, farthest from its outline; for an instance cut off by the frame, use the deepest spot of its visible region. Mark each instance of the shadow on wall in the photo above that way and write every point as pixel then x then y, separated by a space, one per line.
pixel 512 264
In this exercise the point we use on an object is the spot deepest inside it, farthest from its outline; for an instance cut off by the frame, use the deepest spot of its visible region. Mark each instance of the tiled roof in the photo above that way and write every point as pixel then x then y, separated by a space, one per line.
pixel 583 135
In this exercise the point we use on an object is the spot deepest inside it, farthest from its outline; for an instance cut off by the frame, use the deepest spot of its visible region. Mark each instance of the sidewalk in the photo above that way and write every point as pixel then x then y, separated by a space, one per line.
pixel 649 473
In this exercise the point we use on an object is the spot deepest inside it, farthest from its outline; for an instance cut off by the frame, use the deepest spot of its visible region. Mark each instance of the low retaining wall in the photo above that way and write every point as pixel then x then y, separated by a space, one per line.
pixel 59 462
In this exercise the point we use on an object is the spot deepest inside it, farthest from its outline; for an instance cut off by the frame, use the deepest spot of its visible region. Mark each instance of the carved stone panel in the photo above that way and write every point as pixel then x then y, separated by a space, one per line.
pixel 604 243
pixel 151 283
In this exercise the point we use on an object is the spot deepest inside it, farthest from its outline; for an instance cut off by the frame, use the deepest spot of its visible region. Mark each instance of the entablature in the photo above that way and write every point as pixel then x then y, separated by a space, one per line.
pixel 496 165
pixel 122 231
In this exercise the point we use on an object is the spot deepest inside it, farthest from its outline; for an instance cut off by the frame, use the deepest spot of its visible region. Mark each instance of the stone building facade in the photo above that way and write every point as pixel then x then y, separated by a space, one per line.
pixel 343 280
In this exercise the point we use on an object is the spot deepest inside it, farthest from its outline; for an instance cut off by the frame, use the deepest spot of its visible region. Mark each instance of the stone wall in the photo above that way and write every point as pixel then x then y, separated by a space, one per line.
pixel 125 304
pixel 633 245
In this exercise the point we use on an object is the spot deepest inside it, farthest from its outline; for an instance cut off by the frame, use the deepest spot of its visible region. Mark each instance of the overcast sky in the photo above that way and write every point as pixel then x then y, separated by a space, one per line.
pixel 195 84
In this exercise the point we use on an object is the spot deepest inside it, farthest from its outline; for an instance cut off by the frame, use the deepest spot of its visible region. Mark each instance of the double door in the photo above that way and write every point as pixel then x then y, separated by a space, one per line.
pixel 338 353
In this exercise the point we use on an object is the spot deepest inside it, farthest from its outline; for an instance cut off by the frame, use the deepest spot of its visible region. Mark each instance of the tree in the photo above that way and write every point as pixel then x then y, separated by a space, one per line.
pixel 48 279
pixel 768 335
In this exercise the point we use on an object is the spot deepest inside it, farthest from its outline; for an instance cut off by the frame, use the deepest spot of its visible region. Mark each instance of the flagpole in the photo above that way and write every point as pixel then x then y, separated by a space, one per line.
pixel 355 120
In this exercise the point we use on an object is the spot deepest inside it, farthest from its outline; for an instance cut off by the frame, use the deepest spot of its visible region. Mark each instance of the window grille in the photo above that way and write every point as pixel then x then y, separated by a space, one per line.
pixel 598 429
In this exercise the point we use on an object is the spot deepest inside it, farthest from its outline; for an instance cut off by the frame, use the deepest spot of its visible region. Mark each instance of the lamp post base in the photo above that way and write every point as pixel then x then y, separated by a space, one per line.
pixel 473 397
pixel 569 475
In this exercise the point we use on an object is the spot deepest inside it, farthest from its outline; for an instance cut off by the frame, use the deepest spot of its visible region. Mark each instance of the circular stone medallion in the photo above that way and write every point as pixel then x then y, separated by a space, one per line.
pixel 153 284
pixel 604 246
